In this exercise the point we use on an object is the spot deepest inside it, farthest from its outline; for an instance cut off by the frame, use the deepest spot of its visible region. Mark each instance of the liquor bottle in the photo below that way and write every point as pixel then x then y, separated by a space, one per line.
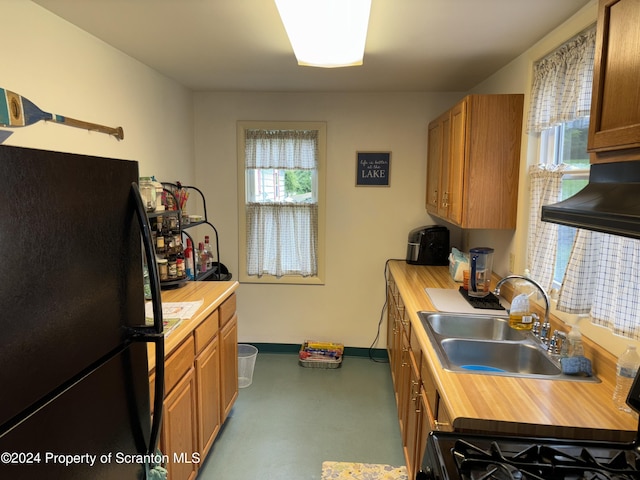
pixel 188 260
pixel 202 258
pixel 209 250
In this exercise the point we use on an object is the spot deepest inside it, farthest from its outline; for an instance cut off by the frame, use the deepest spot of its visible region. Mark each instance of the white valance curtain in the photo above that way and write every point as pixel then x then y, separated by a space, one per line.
pixel 288 149
pixel 282 237
pixel 562 83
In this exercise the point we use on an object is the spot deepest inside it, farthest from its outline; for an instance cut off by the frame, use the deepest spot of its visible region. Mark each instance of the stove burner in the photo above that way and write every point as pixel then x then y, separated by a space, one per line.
pixel 543 462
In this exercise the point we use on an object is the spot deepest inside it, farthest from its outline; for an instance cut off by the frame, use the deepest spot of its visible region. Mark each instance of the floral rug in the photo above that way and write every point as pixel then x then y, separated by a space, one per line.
pixel 362 471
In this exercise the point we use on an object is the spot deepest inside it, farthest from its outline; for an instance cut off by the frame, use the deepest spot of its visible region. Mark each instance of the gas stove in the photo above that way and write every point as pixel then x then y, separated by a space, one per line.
pixel 450 456
pixel 459 456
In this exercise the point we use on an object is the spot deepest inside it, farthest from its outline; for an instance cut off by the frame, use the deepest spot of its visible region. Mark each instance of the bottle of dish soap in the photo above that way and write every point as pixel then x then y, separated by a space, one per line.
pixel 520 314
pixel 575 342
pixel 625 373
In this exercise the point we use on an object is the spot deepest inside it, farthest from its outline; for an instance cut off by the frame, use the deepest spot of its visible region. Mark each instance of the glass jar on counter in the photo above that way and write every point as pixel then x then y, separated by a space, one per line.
pixel 148 193
pixel 163 269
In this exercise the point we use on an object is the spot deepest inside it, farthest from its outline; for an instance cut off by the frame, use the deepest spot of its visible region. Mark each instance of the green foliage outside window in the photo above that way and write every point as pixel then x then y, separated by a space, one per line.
pixel 297 182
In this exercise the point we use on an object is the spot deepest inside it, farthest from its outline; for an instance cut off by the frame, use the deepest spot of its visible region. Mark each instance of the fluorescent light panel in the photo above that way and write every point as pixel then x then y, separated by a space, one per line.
pixel 326 33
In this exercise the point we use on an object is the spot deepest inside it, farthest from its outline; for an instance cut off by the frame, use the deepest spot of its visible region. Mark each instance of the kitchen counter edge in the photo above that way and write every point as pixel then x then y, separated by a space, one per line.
pixel 213 294
pixel 509 405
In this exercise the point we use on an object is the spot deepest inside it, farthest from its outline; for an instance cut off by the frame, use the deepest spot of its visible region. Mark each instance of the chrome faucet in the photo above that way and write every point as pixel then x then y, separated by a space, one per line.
pixel 544 332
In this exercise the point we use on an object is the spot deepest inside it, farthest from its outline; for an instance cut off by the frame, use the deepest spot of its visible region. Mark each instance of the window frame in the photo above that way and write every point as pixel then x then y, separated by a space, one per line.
pixel 241 128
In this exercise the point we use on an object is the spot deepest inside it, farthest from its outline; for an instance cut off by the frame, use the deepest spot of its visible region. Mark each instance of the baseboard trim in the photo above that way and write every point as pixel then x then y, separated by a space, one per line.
pixel 377 353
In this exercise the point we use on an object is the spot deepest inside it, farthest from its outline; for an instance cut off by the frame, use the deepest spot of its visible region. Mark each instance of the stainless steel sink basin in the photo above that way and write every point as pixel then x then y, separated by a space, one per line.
pixel 472 326
pixel 498 357
pixel 485 344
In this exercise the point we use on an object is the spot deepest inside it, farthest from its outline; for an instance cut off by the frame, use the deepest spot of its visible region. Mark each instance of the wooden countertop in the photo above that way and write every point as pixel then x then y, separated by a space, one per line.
pixel 211 293
pixel 506 404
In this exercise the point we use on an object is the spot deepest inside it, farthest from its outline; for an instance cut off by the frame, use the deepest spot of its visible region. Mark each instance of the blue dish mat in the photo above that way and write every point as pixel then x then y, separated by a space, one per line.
pixel 482 368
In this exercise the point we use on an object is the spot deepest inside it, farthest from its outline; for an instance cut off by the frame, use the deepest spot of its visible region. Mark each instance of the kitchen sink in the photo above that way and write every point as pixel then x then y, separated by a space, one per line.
pixel 472 326
pixel 498 357
pixel 486 345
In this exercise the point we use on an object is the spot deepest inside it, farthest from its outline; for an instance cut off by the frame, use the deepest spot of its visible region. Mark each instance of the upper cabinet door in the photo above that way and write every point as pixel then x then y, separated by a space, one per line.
pixel 474 160
pixel 434 136
pixel 457 157
pixel 614 130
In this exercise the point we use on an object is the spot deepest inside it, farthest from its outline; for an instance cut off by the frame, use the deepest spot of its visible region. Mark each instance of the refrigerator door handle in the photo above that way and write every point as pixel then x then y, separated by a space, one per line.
pixel 152 334
pixel 152 266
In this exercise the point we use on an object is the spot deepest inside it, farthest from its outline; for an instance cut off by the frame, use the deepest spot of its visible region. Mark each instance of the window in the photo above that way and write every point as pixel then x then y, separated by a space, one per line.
pixel 281 179
pixel 592 268
pixel 558 118
pixel 566 144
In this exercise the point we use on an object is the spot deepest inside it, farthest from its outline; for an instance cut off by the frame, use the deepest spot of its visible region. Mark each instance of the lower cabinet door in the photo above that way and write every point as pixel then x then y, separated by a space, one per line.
pixel 208 381
pixel 179 438
pixel 412 424
pixel 229 369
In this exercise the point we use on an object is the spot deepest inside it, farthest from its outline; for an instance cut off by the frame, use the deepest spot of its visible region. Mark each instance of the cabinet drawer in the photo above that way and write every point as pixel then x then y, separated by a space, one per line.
pixel 227 309
pixel 206 331
pixel 178 364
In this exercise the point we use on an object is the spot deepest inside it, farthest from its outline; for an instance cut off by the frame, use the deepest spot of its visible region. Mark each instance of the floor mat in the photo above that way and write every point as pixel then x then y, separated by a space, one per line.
pixel 362 471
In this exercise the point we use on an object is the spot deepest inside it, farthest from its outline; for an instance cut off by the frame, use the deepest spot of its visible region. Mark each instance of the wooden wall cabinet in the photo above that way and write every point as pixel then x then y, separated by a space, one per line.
pixel 413 384
pixel 438 165
pixel 614 127
pixel 201 385
pixel 474 160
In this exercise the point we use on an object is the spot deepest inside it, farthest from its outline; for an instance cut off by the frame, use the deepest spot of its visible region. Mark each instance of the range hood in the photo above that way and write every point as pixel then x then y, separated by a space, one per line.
pixel 610 202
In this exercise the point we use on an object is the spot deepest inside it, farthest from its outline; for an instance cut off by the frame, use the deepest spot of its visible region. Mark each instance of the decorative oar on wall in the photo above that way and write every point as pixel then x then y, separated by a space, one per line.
pixel 17 111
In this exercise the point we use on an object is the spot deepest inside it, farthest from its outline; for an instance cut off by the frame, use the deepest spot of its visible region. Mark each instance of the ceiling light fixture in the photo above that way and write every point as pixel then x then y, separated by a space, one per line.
pixel 326 33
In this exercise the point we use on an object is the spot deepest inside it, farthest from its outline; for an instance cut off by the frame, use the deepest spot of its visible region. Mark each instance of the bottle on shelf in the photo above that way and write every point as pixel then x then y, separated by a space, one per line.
pixel 188 260
pixel 209 250
pixel 161 249
pixel 202 258
pixel 626 371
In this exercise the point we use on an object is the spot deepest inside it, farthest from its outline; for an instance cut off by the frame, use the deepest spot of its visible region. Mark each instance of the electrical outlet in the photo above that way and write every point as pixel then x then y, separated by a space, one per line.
pixel 512 262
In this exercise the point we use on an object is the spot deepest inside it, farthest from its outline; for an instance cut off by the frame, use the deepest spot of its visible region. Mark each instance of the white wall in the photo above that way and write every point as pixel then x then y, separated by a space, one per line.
pixel 365 225
pixel 64 70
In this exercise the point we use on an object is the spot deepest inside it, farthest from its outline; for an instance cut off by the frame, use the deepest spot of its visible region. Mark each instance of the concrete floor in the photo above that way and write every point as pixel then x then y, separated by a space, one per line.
pixel 291 419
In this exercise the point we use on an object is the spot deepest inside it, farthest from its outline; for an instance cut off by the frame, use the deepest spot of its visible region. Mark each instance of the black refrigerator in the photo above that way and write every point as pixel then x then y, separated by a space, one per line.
pixel 74 383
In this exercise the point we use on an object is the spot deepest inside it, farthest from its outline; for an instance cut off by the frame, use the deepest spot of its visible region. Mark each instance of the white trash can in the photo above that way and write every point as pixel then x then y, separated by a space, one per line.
pixel 246 361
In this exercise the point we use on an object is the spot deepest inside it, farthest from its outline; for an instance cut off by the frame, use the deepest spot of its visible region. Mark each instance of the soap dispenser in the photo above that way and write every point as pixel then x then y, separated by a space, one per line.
pixel 575 342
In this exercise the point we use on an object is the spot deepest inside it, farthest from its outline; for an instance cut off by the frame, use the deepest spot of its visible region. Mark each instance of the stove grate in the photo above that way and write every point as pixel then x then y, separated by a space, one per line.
pixel 540 462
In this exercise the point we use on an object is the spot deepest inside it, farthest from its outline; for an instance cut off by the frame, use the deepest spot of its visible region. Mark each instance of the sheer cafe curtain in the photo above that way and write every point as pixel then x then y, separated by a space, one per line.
pixel 561 92
pixel 602 280
pixel 546 184
pixel 282 237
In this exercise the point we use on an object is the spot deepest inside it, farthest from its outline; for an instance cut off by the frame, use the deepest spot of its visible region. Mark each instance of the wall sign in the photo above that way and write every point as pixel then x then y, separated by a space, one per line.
pixel 373 169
